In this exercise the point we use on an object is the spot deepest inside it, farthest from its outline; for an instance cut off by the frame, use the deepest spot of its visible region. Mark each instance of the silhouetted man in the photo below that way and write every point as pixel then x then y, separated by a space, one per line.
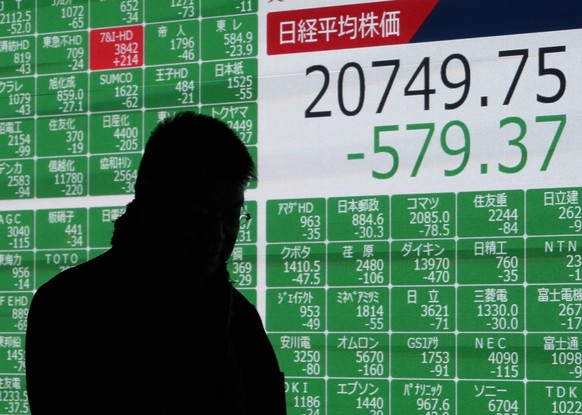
pixel 154 325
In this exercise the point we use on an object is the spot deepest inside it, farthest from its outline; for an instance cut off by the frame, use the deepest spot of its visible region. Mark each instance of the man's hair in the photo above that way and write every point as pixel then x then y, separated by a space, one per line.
pixel 188 147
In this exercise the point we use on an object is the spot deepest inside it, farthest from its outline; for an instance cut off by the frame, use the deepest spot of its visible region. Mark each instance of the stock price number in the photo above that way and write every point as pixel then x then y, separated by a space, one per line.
pixel 456 131
pixel 455 137
pixel 420 83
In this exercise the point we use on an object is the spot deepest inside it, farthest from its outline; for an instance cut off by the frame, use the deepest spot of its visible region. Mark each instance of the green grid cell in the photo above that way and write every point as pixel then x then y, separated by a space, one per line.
pixel 491 213
pixel 242 118
pixel 101 224
pixel 62 94
pixel 61 228
pixel 17 97
pixel 358 355
pixel 50 262
pixel 358 309
pixel 554 211
pixel 17 138
pixel 226 7
pixel 116 90
pixel 491 261
pixel 423 309
pixel 116 132
pixel 172 86
pixel 61 177
pixel 491 308
pixel 12 354
pixel 62 136
pixel 229 81
pixel 296 265
pixel 544 398
pixel 295 309
pixel 302 355
pixel 63 52
pixel 19 58
pixel 16 396
pixel 18 18
pixel 230 37
pixel 423 262
pixel 296 220
pixel 429 356
pixel 491 397
pixel 305 395
pixel 491 356
pixel 16 270
pixel 554 259
pixel 113 174
pixel 17 179
pixel 242 265
pixel 358 218
pixel 13 311
pixel 554 308
pixel 64 16
pixel 165 10
pixel 168 42
pixel 116 13
pixel 357 396
pixel 422 397
pixel 423 216
pixel 358 263
pixel 554 356
pixel 16 230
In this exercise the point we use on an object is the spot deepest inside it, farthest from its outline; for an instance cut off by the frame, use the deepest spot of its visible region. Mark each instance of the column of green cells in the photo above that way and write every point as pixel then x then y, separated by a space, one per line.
pixel 116 137
pixel 296 298
pixel 423 306
pixel 490 300
pixel 62 47
pixel 62 41
pixel 116 143
pixel 16 157
pixel 61 241
pixel 554 300
pixel 229 72
pixel 172 52
pixel 61 168
pixel 17 99
pixel 242 264
pixel 358 304
pixel 16 285
pixel 231 37
pixel 101 225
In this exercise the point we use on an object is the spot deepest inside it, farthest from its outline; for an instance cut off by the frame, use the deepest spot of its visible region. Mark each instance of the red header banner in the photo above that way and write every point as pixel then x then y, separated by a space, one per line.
pixel 345 27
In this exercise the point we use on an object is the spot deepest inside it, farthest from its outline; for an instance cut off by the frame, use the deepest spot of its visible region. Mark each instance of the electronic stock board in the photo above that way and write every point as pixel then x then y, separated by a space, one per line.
pixel 416 221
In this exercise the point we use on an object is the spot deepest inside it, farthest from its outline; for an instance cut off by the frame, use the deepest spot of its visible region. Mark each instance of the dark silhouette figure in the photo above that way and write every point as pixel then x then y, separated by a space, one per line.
pixel 154 325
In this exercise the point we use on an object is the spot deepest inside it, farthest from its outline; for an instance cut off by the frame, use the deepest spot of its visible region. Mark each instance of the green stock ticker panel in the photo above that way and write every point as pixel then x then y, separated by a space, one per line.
pixel 434 273
pixel 431 303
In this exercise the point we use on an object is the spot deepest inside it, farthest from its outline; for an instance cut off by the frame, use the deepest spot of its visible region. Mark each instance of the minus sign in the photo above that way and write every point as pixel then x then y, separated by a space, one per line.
pixel 356 156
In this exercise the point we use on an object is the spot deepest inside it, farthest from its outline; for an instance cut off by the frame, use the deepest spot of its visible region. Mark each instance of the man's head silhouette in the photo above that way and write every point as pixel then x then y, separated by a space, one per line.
pixel 190 190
